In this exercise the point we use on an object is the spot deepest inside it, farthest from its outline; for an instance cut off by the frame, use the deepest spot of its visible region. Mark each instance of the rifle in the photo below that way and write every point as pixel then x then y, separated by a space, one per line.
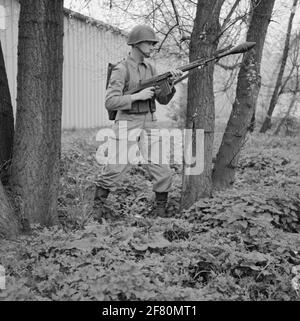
pixel 162 80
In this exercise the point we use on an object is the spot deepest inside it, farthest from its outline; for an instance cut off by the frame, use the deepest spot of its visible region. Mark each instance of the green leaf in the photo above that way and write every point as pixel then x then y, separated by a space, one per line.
pixel 156 241
pixel 256 257
pixel 159 242
pixel 139 247
pixel 86 244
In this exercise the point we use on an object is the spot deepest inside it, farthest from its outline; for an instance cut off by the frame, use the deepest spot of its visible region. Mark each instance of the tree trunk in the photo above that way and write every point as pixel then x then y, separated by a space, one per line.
pixel 8 221
pixel 267 122
pixel 6 121
pixel 252 121
pixel 35 165
pixel 291 105
pixel 246 97
pixel 200 107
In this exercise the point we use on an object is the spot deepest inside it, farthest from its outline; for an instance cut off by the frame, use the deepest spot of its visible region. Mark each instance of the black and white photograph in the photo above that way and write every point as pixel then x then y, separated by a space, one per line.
pixel 150 155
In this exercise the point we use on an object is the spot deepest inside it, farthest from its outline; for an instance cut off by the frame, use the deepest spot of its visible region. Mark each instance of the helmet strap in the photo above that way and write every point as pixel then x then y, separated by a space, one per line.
pixel 141 51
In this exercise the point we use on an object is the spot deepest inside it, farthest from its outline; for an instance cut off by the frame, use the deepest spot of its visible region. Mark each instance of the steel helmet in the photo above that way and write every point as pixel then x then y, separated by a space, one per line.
pixel 141 33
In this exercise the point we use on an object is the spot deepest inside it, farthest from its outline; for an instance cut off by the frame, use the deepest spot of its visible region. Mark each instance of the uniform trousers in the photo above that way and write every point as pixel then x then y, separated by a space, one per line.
pixel 136 139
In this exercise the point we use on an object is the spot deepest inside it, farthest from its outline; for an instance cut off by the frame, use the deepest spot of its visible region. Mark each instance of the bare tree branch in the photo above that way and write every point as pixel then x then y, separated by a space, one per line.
pixel 267 122
pixel 239 18
pixel 176 12
pixel 227 19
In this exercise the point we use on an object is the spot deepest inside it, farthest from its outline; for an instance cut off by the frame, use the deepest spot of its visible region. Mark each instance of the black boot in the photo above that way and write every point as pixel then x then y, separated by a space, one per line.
pixel 160 207
pixel 100 208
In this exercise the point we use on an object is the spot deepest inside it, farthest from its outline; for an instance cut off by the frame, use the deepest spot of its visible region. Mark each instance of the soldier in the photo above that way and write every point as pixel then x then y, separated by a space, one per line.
pixel 137 112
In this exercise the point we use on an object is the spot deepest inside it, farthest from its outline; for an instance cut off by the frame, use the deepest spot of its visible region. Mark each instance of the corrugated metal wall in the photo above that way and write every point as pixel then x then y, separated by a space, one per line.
pixel 88 47
pixel 9 15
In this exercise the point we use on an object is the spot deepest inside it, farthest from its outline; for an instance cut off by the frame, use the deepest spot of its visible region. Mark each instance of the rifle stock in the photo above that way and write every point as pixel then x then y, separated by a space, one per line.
pixel 155 81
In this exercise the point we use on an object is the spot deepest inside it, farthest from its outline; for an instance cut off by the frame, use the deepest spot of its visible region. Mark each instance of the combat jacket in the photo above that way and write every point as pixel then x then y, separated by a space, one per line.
pixel 116 100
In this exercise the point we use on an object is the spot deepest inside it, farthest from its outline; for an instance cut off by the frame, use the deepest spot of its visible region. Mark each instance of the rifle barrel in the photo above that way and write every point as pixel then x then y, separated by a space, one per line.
pixel 196 63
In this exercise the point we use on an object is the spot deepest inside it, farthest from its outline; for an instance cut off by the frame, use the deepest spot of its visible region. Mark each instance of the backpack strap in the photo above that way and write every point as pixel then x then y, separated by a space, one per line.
pixel 112 113
pixel 111 67
pixel 127 77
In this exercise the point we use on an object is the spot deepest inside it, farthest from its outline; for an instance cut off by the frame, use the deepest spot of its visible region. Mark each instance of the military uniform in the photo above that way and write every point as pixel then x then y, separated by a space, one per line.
pixel 139 115
pixel 137 119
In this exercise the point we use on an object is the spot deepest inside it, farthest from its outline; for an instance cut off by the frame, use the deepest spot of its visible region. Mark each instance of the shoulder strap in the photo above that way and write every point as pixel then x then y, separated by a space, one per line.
pixel 112 113
pixel 127 77
pixel 110 68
